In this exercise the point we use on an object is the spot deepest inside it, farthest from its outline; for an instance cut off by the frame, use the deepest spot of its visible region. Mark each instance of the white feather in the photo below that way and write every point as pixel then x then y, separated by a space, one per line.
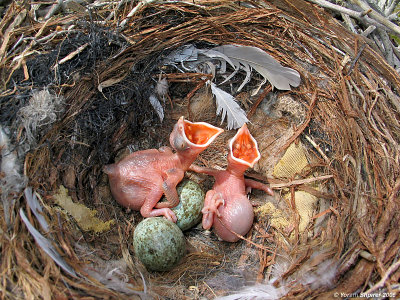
pixel 36 208
pixel 183 54
pixel 315 277
pixel 227 105
pixel 239 57
pixel 216 54
pixel 46 245
pixel 114 275
pixel 247 68
pixel 9 164
pixel 236 69
pixel 323 275
pixel 157 106
pixel 279 76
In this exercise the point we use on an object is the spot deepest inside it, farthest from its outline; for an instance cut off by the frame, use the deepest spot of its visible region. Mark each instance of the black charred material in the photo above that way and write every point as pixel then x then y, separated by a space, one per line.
pixel 43 72
pixel 111 120
pixel 97 123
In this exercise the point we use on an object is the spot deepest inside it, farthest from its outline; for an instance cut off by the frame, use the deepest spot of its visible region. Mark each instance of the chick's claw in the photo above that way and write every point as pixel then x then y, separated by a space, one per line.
pixel 147 212
pixel 216 202
pixel 211 203
pixel 165 212
pixel 169 215
pixel 248 189
pixel 213 209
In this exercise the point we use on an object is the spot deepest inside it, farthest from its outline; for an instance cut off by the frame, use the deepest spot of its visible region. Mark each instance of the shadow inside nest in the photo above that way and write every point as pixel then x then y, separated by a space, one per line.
pixel 96 126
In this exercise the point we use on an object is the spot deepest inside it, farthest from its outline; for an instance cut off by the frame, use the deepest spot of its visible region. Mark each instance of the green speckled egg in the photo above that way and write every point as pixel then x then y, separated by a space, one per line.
pixel 159 244
pixel 188 211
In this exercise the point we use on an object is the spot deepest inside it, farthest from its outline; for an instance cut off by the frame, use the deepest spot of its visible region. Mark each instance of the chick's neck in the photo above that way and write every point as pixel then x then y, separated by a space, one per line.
pixel 236 169
pixel 187 157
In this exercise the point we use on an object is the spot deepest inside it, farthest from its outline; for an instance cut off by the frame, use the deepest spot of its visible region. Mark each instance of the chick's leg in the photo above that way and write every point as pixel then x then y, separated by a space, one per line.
pixel 173 177
pixel 250 183
pixel 203 170
pixel 211 203
pixel 148 208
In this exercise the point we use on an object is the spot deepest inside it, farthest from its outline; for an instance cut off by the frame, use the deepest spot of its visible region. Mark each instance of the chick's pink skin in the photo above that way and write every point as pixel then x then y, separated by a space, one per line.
pixel 226 207
pixel 139 180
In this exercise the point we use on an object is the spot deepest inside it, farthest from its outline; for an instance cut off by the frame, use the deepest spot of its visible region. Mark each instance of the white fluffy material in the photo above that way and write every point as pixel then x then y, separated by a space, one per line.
pixel 113 274
pixel 41 111
pixel 322 275
pixel 258 292
pixel 9 165
pixel 162 87
pixel 13 181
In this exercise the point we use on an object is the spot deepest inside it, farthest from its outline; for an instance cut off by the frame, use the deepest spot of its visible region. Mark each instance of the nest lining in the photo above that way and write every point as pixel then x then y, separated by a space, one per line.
pixel 351 115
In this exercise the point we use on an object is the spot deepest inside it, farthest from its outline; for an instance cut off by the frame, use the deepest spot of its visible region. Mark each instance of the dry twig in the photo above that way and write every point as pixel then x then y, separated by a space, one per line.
pixel 384 278
pixel 299 181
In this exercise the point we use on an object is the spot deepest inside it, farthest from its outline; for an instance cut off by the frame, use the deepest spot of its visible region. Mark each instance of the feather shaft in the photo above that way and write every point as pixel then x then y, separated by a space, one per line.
pixel 279 76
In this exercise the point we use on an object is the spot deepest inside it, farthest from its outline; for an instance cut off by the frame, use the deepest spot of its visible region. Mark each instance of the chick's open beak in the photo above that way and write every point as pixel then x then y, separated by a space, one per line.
pixel 243 147
pixel 198 134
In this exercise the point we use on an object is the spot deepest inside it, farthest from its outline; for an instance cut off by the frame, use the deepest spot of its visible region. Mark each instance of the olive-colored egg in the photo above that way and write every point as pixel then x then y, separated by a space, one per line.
pixel 159 244
pixel 191 202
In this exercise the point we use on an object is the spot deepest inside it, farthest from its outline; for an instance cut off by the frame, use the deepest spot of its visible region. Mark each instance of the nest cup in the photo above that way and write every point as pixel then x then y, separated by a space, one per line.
pixel 348 124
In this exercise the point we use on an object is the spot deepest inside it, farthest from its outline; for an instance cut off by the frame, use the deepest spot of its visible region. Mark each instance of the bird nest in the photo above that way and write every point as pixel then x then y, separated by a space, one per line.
pixel 75 96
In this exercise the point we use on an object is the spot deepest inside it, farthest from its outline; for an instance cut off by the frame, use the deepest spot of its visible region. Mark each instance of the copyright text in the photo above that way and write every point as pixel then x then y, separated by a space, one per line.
pixel 364 295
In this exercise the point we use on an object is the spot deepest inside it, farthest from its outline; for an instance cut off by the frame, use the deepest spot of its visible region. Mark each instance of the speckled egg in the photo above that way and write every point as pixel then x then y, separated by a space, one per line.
pixel 191 202
pixel 159 244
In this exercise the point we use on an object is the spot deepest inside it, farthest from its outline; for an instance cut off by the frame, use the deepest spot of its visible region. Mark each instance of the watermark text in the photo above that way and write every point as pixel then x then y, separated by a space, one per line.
pixel 364 295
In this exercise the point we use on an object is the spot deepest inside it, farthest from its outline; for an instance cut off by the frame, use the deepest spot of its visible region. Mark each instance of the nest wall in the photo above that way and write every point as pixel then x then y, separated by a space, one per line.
pixel 351 98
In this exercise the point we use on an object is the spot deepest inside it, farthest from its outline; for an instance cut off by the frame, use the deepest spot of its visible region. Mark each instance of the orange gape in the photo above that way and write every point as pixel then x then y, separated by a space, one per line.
pixel 226 207
pixel 199 133
pixel 244 148
pixel 140 179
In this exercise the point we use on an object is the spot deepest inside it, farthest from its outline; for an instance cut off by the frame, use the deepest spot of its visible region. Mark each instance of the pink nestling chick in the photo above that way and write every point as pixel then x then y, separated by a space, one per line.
pixel 139 180
pixel 226 207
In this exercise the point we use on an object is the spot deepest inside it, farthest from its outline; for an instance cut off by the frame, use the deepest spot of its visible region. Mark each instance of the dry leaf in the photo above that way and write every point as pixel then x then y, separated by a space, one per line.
pixel 109 82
